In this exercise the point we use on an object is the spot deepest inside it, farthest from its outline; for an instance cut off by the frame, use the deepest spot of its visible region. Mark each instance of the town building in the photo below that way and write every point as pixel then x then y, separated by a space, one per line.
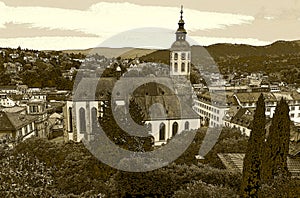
pixel 16 126
pixel 6 101
pixel 37 108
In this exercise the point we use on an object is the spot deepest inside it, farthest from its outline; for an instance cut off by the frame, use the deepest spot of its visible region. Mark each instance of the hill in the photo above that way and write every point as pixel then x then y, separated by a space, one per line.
pixel 277 48
pixel 217 51
pixel 105 51
pixel 133 53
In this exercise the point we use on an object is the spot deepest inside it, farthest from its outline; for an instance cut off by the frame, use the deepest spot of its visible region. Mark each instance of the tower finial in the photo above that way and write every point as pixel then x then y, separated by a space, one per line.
pixel 181 12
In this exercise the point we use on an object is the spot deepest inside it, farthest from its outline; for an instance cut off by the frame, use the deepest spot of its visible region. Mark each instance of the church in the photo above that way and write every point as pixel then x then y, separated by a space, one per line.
pixel 166 101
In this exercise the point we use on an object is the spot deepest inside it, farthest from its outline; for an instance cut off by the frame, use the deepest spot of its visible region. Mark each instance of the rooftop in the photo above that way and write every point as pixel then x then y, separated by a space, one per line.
pixel 234 162
pixel 14 121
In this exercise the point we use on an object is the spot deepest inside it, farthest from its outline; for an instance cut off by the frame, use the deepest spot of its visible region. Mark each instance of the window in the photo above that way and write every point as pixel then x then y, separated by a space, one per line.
pixel 94 119
pixel 162 131
pixel 182 56
pixel 186 125
pixel 30 127
pixel 174 128
pixel 82 121
pixel 149 127
pixel 292 115
pixel 188 67
pixel 25 130
pixel 292 108
pixel 176 56
pixel 70 120
pixel 175 67
pixel 20 133
pixel 182 67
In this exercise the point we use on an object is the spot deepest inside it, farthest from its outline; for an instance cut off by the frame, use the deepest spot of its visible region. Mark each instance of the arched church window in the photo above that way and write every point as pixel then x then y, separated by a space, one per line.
pixel 174 128
pixel 175 67
pixel 162 131
pixel 175 56
pixel 182 67
pixel 82 121
pixel 94 119
pixel 149 127
pixel 186 125
pixel 183 56
pixel 70 120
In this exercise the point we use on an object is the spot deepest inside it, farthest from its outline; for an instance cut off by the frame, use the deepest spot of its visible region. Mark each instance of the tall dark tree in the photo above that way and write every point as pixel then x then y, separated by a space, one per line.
pixel 251 181
pixel 117 134
pixel 277 144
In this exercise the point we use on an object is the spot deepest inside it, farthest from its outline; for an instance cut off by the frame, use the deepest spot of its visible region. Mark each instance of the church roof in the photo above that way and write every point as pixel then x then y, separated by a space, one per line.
pixel 92 89
pixel 149 92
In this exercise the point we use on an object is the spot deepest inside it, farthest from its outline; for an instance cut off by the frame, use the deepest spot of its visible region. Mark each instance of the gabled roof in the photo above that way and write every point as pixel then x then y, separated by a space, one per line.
pixel 18 121
pixel 294 148
pixel 243 117
pixel 14 121
pixel 6 124
pixel 253 97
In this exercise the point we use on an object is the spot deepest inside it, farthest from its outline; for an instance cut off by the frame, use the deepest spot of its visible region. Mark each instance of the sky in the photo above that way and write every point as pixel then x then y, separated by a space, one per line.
pixel 77 24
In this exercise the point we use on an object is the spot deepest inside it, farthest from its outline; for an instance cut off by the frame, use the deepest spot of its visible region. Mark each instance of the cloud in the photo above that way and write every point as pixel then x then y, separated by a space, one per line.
pixel 12 30
pixel 106 19
pixel 51 43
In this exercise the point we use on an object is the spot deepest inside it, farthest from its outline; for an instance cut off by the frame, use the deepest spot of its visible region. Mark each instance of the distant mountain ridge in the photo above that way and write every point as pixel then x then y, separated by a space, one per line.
pixel 105 51
pixel 277 48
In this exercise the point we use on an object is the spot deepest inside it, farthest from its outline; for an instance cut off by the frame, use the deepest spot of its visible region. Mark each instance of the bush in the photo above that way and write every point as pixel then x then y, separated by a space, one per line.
pixel 200 189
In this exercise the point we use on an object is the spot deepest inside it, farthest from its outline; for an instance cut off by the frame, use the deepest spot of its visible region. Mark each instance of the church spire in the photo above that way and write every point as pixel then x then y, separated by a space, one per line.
pixel 181 12
pixel 181 23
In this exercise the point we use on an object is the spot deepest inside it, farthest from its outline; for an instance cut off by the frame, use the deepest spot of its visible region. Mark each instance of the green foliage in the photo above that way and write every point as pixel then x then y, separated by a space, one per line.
pixel 229 141
pixel 201 189
pixel 165 181
pixel 281 187
pixel 251 181
pixel 40 168
pixel 72 168
pixel 117 134
pixel 22 175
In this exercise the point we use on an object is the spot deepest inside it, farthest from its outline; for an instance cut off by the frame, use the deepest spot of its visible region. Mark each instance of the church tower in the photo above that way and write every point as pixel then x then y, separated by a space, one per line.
pixel 180 57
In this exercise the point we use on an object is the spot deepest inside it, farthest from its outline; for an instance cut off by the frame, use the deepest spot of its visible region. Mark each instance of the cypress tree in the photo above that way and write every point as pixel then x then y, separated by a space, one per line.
pixel 251 180
pixel 277 144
